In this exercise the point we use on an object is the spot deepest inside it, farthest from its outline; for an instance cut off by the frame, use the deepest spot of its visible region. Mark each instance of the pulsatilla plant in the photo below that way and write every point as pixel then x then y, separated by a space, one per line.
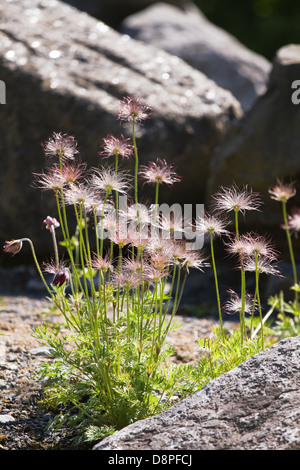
pixel 110 284
pixel 118 276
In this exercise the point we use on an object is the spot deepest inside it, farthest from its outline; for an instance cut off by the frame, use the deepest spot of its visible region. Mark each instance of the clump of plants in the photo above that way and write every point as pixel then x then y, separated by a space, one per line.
pixel 119 283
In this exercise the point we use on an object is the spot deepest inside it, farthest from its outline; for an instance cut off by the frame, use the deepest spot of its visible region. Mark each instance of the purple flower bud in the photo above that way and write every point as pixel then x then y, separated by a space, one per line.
pixel 50 222
pixel 61 277
pixel 13 246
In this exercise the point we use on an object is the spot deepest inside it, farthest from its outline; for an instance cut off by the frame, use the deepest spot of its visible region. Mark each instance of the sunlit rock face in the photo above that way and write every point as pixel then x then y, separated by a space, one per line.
pixel 206 47
pixel 65 71
pixel 264 146
pixel 251 407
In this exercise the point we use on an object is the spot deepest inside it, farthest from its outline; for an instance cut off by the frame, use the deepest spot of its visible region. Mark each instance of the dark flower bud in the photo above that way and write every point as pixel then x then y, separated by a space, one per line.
pixel 61 277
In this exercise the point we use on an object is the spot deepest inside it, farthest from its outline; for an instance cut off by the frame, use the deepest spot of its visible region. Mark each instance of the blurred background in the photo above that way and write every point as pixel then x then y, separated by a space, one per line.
pixel 262 25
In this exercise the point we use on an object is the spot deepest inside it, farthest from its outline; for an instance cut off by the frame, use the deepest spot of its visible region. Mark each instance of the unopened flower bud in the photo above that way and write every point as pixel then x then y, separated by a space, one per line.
pixel 50 222
pixel 61 277
pixel 13 246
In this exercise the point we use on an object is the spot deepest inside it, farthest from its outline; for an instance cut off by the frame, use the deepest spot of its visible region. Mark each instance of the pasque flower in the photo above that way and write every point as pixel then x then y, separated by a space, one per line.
pixel 13 247
pixel 133 109
pixel 236 305
pixel 114 145
pixel 235 199
pixel 50 223
pixel 193 259
pixel 81 194
pixel 50 180
pixel 159 172
pixel 252 244
pixel 261 265
pixel 60 145
pixel 71 172
pixel 211 224
pixel 107 180
pixel 282 192
pixel 294 222
pixel 102 263
pixel 60 271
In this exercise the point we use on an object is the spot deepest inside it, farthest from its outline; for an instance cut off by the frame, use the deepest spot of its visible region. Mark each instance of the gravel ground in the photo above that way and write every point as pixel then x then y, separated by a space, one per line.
pixel 23 423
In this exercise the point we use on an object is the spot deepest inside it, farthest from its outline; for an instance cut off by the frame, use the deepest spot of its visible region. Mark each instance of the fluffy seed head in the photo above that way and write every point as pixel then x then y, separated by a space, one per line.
pixel 159 172
pixel 250 245
pixel 60 145
pixel 193 259
pixel 102 263
pixel 133 109
pixel 263 265
pixel 234 304
pixel 107 180
pixel 116 146
pixel 235 199
pixel 126 278
pixel 294 222
pixel 211 224
pixel 282 192
pixel 71 172
pixel 81 194
pixel 51 180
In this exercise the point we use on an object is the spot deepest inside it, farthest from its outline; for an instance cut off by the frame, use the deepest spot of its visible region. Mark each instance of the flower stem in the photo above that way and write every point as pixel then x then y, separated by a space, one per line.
pixel 258 302
pixel 290 247
pixel 216 282
pixel 136 165
pixel 243 282
pixel 37 264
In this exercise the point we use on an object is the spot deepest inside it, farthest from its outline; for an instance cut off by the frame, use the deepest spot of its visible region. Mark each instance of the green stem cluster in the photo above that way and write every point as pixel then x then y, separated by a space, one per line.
pixel 291 251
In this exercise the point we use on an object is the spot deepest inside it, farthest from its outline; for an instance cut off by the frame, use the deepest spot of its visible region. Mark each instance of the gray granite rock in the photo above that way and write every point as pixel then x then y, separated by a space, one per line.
pixel 66 72
pixel 265 145
pixel 206 47
pixel 112 12
pixel 256 406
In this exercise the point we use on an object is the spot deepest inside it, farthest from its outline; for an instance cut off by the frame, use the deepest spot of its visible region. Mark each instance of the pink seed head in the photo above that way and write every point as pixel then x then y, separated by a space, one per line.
pixel 235 199
pixel 133 109
pixel 159 172
pixel 282 192
pixel 116 146
pixel 60 145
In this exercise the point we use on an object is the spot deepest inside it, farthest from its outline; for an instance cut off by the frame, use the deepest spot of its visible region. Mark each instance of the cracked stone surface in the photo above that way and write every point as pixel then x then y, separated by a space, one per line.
pixel 66 71
pixel 256 406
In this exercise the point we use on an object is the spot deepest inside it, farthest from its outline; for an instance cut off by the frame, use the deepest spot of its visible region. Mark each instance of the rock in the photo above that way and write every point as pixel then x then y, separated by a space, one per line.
pixel 112 12
pixel 6 418
pixel 41 351
pixel 206 47
pixel 253 407
pixel 265 145
pixel 66 72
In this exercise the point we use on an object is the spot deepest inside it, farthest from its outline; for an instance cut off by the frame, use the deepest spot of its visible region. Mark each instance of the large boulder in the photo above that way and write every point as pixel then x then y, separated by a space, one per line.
pixel 206 47
pixel 66 72
pixel 112 12
pixel 256 406
pixel 265 144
